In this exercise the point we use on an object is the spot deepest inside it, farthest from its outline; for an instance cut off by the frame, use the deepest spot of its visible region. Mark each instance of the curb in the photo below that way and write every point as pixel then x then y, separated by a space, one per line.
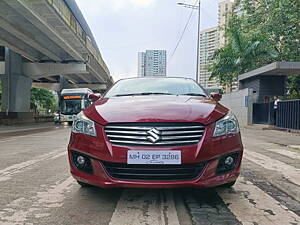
pixel 271 127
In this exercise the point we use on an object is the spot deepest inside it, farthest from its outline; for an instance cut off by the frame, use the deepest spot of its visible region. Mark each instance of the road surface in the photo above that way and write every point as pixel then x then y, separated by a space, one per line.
pixel 36 187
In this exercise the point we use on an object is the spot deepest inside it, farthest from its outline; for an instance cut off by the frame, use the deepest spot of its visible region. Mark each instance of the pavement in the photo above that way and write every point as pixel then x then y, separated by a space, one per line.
pixel 36 187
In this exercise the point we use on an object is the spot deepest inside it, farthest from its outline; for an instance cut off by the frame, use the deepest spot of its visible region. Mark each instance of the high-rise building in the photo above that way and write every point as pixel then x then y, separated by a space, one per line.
pixel 212 39
pixel 141 64
pixel 209 42
pixel 152 63
pixel 226 9
pixel 224 12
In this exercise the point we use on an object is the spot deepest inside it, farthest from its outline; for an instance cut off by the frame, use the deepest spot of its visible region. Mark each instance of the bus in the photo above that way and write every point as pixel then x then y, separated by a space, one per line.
pixel 71 102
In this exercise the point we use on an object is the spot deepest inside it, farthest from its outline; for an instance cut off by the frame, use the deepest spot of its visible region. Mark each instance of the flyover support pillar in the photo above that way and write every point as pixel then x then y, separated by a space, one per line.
pixel 15 88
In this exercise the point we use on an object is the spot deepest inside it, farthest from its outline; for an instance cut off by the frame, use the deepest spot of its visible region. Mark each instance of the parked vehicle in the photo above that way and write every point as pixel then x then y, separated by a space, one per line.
pixel 156 133
pixel 72 102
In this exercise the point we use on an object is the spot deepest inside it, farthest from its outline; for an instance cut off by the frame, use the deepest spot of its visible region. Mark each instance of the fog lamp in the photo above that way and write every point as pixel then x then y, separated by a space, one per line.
pixel 80 160
pixel 228 161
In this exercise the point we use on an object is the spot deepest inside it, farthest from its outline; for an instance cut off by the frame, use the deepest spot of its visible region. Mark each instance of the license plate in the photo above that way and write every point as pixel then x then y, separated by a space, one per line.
pixel 154 157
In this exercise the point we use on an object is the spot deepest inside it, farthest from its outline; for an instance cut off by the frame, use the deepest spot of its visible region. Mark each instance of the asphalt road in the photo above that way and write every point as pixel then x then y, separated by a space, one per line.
pixel 36 187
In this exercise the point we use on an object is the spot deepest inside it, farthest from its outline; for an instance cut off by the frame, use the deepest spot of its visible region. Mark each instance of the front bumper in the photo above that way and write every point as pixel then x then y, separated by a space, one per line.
pixel 208 151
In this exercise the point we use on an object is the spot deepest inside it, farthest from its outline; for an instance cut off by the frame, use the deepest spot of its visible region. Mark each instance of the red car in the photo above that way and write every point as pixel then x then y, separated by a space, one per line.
pixel 156 133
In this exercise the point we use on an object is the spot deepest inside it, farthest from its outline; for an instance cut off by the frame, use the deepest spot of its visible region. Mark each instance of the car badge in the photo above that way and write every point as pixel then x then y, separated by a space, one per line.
pixel 153 135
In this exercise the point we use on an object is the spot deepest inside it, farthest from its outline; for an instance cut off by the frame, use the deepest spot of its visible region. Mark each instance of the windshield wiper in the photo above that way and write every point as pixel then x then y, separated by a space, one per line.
pixel 143 93
pixel 153 93
pixel 194 94
pixel 120 95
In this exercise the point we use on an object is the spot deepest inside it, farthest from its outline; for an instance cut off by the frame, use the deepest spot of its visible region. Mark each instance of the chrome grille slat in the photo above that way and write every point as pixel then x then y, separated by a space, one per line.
pixel 127 128
pixel 165 134
pixel 181 132
pixel 147 128
pixel 124 132
pixel 126 137
pixel 180 137
pixel 151 144
pixel 180 128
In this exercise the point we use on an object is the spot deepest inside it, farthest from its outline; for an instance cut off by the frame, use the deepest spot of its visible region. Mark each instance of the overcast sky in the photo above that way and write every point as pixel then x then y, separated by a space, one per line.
pixel 122 28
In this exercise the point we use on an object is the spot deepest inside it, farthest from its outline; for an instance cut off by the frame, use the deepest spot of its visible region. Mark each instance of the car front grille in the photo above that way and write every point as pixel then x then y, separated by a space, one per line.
pixel 154 134
pixel 124 171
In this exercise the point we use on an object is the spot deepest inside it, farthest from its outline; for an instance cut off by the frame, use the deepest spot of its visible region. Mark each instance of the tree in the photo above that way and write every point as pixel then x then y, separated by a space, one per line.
pixel 276 20
pixel 263 31
pixel 42 99
pixel 239 55
pixel 294 87
pixel 224 67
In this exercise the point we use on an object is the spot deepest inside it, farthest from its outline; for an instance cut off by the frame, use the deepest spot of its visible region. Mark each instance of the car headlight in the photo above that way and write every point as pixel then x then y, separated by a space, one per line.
pixel 84 125
pixel 227 125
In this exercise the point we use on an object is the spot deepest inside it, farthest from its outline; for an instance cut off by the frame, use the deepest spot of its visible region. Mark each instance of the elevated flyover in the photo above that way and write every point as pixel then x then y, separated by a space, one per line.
pixel 45 40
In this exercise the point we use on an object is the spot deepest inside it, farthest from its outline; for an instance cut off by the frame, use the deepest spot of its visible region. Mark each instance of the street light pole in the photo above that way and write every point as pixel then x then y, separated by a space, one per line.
pixel 198 34
pixel 198 43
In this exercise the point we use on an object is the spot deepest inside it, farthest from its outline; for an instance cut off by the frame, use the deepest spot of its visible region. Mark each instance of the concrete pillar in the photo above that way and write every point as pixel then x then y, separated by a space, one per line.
pixel 15 86
pixel 63 83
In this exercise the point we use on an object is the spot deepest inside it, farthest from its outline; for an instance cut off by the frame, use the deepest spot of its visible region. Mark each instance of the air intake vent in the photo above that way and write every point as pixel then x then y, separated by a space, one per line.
pixel 154 172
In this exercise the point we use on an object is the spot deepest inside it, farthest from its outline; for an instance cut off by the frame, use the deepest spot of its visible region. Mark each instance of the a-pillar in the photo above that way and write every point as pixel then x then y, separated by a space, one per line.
pixel 15 88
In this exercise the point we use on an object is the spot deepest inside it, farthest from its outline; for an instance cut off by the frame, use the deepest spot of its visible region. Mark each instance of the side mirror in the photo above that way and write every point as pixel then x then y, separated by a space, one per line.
pixel 216 96
pixel 94 97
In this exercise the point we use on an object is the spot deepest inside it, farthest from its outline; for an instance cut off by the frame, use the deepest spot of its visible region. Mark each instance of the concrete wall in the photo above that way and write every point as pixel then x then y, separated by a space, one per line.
pixel 241 104
pixel 252 83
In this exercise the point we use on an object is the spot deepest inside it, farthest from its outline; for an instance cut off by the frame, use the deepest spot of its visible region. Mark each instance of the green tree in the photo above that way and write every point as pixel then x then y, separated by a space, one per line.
pixel 276 20
pixel 239 55
pixel 294 87
pixel 42 99
pixel 266 31
pixel 224 69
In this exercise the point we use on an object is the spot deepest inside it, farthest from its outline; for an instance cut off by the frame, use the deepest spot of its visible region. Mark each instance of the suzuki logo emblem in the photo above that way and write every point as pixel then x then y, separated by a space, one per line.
pixel 153 135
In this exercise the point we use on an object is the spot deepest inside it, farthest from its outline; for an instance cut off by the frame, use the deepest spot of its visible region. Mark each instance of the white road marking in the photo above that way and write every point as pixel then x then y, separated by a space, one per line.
pixel 6 173
pixel 290 154
pixel 251 205
pixel 289 172
pixel 20 210
pixel 142 207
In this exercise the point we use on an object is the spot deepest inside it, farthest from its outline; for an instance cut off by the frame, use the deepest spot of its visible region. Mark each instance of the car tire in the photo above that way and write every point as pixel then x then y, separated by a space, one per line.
pixel 84 185
pixel 228 185
pixel 70 123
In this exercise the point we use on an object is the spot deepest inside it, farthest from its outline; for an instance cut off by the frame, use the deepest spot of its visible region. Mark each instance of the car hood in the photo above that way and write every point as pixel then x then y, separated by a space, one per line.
pixel 155 109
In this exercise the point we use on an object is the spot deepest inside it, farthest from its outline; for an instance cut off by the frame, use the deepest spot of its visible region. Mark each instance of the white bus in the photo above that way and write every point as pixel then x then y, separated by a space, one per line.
pixel 71 102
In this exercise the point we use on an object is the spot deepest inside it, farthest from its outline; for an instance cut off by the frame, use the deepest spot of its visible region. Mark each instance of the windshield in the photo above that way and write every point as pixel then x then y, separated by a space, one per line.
pixel 71 107
pixel 152 86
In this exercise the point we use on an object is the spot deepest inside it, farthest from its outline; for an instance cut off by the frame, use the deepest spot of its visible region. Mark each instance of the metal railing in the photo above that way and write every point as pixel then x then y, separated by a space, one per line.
pixel 288 114
pixel 66 14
